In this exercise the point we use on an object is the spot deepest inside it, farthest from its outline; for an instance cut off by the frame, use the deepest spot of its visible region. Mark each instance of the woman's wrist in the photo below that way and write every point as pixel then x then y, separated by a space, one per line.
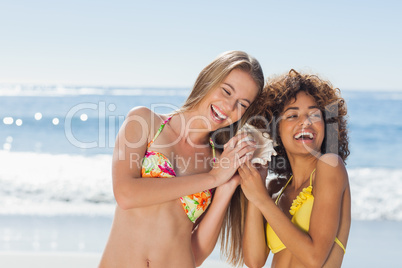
pixel 261 200
pixel 217 177
pixel 228 188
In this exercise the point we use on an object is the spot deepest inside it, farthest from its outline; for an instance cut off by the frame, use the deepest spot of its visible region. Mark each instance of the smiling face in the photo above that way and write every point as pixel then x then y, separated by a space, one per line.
pixel 302 127
pixel 226 103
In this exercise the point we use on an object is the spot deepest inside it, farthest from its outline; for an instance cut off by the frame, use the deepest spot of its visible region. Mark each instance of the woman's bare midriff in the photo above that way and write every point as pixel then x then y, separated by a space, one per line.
pixel 153 236
pixel 285 258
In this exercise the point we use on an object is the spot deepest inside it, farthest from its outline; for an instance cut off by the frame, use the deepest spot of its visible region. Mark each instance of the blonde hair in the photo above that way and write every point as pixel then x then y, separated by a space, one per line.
pixel 208 79
pixel 213 75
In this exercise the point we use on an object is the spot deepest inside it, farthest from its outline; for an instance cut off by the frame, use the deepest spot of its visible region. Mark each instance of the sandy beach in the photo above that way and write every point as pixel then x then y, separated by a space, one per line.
pixel 78 241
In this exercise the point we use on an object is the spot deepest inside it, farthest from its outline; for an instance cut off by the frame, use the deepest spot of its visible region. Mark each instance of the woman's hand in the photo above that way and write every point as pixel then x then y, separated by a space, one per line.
pixel 231 184
pixel 235 154
pixel 253 182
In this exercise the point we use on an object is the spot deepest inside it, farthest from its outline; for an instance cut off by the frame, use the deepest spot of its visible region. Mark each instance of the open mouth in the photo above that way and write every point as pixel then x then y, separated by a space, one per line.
pixel 217 114
pixel 304 136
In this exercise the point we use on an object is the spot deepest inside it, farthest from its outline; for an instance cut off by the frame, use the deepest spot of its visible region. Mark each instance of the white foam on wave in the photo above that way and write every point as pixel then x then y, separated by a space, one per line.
pixel 376 193
pixel 46 184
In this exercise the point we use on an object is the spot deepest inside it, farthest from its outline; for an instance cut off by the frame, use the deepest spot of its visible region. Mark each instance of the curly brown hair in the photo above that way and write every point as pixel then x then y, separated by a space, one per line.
pixel 280 90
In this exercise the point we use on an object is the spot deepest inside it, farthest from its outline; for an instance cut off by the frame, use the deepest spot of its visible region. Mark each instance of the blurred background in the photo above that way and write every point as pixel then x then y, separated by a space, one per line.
pixel 71 70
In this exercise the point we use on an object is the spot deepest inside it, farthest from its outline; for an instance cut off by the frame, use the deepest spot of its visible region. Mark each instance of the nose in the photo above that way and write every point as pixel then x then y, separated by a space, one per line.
pixel 305 120
pixel 230 105
pixel 231 110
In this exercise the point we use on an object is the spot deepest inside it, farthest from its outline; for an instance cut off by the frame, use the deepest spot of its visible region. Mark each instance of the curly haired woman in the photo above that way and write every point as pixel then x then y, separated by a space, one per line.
pixel 304 217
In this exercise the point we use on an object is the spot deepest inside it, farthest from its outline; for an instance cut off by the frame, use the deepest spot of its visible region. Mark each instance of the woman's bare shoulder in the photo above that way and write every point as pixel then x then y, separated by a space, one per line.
pixel 332 168
pixel 145 117
pixel 143 112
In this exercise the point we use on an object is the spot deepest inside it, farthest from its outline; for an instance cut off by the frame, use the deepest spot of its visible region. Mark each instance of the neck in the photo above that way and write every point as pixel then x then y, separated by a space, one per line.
pixel 190 128
pixel 302 167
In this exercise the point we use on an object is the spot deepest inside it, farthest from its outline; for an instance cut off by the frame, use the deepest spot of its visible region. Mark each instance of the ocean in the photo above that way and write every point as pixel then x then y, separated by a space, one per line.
pixel 56 144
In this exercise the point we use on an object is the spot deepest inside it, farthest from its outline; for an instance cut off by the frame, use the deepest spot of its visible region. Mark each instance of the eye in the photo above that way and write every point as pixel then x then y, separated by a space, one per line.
pixel 291 116
pixel 226 91
pixel 242 105
pixel 316 115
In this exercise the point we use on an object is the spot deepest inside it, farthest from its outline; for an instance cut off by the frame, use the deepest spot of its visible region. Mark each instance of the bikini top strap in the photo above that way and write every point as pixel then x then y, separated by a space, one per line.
pixel 311 177
pixel 213 150
pixel 159 131
pixel 163 125
pixel 283 189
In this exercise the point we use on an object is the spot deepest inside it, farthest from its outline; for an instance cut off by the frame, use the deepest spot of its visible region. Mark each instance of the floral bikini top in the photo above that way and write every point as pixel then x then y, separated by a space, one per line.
pixel 157 165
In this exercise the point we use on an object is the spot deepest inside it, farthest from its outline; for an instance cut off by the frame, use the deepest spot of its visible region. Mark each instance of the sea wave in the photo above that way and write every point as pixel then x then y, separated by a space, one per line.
pixel 60 184
pixel 376 193
pixel 47 184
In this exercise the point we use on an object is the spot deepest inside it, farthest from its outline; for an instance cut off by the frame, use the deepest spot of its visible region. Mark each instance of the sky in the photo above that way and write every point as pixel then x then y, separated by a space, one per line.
pixel 355 44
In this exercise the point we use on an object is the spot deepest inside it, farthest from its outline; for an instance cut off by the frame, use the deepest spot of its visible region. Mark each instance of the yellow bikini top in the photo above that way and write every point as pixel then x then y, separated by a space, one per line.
pixel 301 212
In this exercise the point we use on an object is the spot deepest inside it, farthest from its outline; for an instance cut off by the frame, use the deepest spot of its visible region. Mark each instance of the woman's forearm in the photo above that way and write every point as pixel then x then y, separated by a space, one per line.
pixel 255 250
pixel 206 234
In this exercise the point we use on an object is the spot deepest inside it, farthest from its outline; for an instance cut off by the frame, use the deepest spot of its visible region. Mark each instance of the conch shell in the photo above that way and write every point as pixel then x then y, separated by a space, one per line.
pixel 265 147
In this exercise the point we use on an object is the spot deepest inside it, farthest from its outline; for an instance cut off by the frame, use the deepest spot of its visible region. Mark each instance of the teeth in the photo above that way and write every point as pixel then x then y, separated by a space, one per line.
pixel 220 115
pixel 307 134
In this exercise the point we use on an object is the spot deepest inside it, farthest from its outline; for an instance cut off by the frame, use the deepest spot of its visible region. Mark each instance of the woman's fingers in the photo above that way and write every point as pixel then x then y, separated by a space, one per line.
pixel 250 167
pixel 243 152
pixel 244 171
pixel 236 152
pixel 233 142
pixel 248 171
pixel 240 153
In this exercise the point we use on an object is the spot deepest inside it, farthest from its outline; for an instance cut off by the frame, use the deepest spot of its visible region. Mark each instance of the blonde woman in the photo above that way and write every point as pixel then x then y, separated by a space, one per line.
pixel 167 168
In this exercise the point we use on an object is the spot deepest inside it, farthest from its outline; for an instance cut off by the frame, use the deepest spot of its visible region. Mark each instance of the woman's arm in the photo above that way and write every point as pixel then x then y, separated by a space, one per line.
pixel 255 249
pixel 206 234
pixel 312 248
pixel 131 144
